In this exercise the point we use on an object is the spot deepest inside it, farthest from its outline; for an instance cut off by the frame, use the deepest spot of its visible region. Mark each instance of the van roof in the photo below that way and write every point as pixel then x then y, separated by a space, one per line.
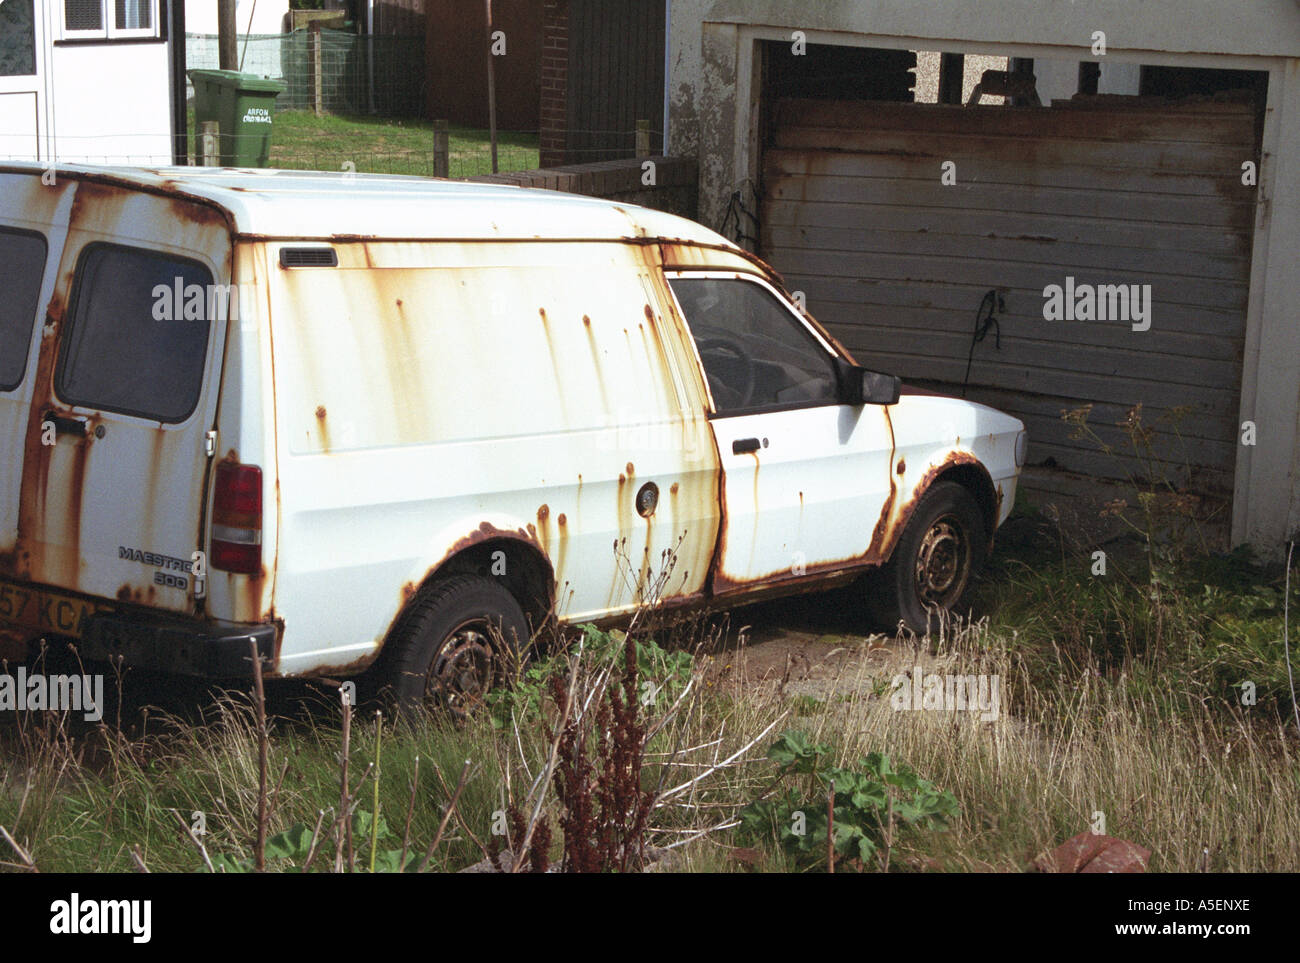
pixel 324 205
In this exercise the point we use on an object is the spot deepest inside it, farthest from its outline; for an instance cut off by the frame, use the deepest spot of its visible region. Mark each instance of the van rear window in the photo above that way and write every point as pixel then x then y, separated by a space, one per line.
pixel 22 265
pixel 134 346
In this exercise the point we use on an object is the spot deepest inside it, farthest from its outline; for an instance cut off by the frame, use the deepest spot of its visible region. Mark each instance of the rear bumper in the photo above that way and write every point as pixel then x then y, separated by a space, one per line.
pixel 178 646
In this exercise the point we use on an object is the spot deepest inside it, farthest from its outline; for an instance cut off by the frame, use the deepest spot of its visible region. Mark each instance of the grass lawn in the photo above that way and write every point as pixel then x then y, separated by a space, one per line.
pixel 1121 699
pixel 302 141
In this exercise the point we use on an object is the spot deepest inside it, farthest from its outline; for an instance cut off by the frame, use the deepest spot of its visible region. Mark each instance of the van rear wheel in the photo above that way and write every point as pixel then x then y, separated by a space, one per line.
pixel 453 645
pixel 936 559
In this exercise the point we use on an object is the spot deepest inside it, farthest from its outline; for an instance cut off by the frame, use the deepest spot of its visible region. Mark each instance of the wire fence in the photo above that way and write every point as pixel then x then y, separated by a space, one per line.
pixel 304 142
pixel 300 140
pixel 470 155
pixel 336 71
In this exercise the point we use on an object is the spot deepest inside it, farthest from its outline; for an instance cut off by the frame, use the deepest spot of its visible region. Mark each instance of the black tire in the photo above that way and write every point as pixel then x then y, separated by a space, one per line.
pixel 938 556
pixel 452 645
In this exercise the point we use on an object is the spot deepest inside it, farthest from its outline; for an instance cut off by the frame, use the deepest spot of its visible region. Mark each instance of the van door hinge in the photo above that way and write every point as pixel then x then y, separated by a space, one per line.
pixel 210 443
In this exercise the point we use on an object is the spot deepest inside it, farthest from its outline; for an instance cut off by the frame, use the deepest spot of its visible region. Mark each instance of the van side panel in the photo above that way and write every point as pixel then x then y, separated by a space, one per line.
pixel 433 395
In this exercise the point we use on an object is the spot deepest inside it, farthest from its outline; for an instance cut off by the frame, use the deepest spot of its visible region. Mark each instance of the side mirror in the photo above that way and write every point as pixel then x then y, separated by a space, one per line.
pixel 859 386
pixel 880 389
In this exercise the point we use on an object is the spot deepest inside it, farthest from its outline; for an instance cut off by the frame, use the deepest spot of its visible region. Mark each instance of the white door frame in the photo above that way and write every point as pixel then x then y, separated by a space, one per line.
pixel 35 84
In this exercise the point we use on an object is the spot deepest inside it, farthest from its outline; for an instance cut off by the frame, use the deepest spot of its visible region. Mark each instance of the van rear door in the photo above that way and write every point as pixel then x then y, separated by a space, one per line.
pixel 33 219
pixel 125 391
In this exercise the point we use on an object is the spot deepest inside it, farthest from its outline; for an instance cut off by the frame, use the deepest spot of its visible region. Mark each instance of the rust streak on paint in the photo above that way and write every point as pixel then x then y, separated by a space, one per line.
pixel 595 360
pixel 26 561
pixel 543 529
pixel 322 426
pixel 562 528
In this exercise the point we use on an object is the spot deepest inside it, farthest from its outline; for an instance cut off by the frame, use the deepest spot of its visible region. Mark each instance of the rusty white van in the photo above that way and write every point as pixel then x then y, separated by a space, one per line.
pixel 381 423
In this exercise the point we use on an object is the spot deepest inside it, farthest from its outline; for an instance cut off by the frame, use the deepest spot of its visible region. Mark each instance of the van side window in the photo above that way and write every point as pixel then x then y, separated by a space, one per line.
pixel 130 347
pixel 22 265
pixel 755 352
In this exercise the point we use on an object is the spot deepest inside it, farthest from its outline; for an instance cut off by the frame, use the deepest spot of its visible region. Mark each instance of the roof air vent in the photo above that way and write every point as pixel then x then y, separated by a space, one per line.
pixel 296 257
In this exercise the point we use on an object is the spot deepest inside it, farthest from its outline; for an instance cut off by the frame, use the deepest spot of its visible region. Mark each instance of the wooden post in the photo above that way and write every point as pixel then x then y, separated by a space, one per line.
pixel 313 57
pixel 227 31
pixel 492 90
pixel 643 138
pixel 441 149
pixel 209 144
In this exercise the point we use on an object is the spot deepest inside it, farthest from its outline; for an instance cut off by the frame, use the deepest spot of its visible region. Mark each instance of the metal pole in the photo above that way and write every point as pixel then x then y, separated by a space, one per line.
pixel 492 90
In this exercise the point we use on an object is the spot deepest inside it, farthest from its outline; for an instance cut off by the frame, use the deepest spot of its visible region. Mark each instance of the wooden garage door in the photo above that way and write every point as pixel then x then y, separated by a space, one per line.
pixel 1106 192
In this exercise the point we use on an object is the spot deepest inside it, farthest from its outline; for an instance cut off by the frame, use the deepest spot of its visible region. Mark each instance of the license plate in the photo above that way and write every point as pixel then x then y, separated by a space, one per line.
pixel 43 610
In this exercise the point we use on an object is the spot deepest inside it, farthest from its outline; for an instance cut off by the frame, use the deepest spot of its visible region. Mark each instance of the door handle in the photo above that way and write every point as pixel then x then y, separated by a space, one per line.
pixel 744 446
pixel 66 426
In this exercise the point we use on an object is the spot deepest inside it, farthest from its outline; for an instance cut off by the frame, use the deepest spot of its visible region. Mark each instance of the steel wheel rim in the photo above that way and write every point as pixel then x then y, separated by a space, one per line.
pixel 942 563
pixel 464 669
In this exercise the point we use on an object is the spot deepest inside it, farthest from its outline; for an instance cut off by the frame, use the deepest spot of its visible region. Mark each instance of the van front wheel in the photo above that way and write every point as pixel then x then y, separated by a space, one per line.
pixel 453 644
pixel 937 557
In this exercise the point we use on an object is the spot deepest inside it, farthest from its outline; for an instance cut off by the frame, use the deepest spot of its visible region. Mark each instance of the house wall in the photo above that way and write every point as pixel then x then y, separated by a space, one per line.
pixel 88 102
pixel 126 120
pixel 713 92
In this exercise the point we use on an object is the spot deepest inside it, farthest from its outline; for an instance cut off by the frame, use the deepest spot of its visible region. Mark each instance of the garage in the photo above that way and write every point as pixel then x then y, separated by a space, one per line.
pixel 1109 237
pixel 1122 166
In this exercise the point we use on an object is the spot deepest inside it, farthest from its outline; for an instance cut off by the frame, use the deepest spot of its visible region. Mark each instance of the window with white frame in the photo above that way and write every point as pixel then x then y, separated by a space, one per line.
pixel 109 19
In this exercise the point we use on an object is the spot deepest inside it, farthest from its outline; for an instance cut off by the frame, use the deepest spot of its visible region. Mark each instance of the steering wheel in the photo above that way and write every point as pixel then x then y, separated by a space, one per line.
pixel 732 346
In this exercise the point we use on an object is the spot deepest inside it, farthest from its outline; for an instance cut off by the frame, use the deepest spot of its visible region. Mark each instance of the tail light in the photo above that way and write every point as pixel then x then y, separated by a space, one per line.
pixel 237 519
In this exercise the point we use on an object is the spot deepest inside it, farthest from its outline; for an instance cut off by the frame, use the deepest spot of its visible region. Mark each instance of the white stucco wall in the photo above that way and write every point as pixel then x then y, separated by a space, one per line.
pixel 713 90
pixel 111 103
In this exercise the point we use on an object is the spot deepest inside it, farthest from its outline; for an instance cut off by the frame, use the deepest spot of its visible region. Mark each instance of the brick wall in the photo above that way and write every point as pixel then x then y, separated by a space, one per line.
pixel 674 191
pixel 554 81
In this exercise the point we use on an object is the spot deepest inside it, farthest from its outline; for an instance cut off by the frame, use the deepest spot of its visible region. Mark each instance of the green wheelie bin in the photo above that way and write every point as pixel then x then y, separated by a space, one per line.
pixel 241 104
